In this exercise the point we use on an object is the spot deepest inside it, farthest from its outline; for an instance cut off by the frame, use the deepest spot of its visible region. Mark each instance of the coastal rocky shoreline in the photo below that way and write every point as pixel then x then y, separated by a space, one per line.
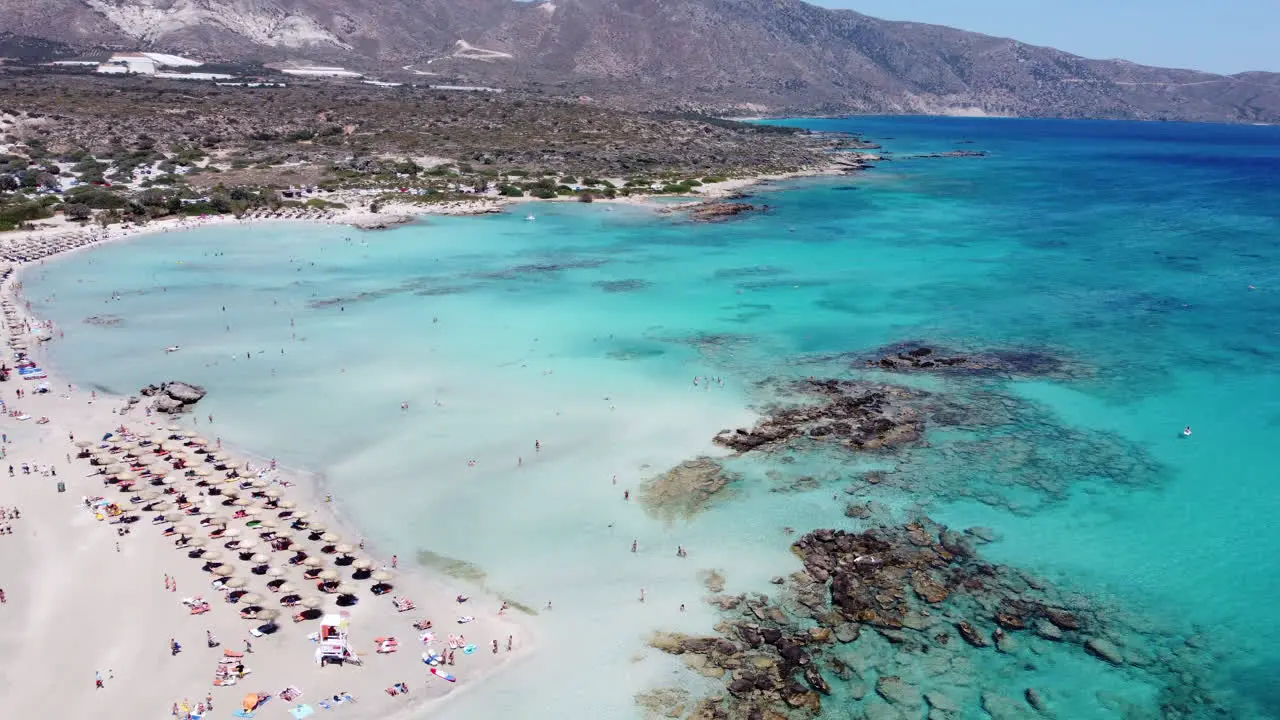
pixel 897 616
pixel 867 606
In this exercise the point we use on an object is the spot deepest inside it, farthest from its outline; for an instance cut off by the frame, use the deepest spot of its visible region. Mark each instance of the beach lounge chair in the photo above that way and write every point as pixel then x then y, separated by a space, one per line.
pixel 386 645
pixel 403 604
pixel 423 624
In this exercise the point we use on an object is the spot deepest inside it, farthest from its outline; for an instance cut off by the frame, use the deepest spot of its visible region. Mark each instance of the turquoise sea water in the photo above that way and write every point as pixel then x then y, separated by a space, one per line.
pixel 1128 249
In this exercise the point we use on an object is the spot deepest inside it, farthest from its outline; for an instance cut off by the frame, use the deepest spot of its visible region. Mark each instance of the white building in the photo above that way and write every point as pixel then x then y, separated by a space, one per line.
pixel 320 71
pixel 143 63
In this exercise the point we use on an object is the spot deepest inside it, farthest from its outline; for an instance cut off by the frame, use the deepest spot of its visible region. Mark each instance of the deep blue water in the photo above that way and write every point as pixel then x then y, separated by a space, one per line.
pixel 1145 256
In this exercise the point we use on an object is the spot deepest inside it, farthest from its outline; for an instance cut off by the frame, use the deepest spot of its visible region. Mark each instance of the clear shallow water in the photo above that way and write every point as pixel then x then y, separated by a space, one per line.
pixel 1128 248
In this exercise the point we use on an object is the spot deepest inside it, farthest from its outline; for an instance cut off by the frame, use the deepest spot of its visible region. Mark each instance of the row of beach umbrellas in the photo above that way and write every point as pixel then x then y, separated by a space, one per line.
pixel 328 578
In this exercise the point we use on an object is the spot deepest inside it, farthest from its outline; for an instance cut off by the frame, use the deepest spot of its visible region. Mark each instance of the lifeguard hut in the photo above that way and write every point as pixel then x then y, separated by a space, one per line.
pixel 334 647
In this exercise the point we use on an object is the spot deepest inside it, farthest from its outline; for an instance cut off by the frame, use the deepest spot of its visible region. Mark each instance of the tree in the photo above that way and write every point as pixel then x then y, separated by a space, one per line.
pixel 78 211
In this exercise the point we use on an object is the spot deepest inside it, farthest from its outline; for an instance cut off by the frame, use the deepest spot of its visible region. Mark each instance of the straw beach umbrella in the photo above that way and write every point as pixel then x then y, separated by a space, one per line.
pixel 198 543
pixel 329 537
pixel 311 602
pixel 251 599
pixel 313 562
pixel 275 572
pixel 382 576
pixel 328 575
pixel 362 564
pixel 223 570
pixel 236 583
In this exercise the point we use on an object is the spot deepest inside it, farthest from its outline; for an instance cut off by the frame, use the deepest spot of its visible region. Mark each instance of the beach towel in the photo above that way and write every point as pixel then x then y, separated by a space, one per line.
pixel 243 713
pixel 302 711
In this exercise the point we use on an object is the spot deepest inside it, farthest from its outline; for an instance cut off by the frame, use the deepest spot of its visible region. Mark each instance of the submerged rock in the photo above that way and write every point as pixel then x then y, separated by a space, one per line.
pixel 1000 707
pixel 1035 700
pixel 719 211
pixel 916 356
pixel 898 692
pixel 1104 650
pixel 686 489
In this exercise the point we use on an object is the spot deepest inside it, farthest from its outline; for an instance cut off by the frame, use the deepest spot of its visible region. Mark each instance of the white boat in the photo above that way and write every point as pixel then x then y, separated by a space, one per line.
pixel 530 218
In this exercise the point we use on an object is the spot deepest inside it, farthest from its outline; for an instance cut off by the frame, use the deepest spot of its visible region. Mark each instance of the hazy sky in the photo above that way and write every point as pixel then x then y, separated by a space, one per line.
pixel 1225 36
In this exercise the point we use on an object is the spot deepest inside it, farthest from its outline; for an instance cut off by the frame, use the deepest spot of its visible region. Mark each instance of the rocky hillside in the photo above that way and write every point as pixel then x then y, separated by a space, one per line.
pixel 767 56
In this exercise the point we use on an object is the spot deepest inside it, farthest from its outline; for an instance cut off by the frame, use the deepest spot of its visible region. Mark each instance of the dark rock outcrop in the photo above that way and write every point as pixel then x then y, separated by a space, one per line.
pixel 719 211
pixel 173 397
pixel 921 357
pixel 857 415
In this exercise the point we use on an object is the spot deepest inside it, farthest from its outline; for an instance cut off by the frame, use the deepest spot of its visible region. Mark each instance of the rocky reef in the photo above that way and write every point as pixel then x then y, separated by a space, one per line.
pixel 854 414
pixel 173 397
pixel 719 211
pixel 947 154
pixel 921 593
pixel 103 320
pixel 919 356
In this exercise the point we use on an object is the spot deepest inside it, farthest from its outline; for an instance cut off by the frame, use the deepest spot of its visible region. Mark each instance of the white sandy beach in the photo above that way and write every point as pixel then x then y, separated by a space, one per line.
pixel 82 600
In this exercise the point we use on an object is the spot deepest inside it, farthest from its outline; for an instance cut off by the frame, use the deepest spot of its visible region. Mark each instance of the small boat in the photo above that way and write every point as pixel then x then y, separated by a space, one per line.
pixel 530 218
pixel 443 675
pixel 172 349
